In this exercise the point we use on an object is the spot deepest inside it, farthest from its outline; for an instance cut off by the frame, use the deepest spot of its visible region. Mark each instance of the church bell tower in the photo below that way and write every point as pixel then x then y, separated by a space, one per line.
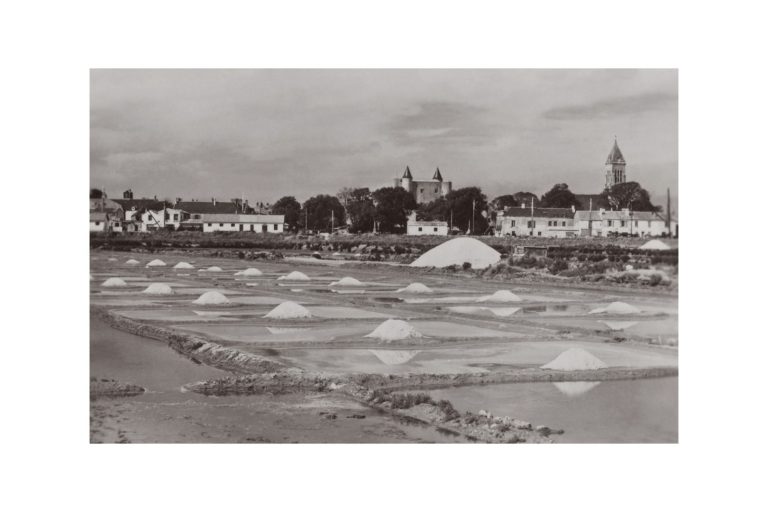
pixel 615 167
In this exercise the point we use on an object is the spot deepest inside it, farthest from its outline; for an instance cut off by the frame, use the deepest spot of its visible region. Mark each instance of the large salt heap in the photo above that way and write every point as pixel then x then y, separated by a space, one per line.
pixel 294 276
pixel 249 272
pixel 500 296
pixel 392 329
pixel 575 359
pixel 183 265
pixel 456 252
pixel 289 309
pixel 415 288
pixel 113 282
pixel 655 245
pixel 616 308
pixel 158 289
pixel 212 297
pixel 156 263
pixel 346 281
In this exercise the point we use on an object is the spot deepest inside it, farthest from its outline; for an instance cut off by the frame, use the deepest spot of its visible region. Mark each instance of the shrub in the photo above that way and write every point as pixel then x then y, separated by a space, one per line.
pixel 466 265
pixel 558 266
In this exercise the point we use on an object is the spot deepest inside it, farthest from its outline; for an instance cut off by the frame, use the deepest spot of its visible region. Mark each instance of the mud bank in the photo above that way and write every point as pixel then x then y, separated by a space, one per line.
pixel 109 388
pixel 197 348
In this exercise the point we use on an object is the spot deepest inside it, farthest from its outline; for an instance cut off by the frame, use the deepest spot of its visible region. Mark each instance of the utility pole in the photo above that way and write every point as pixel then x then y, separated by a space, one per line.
pixel 332 221
pixel 669 214
pixel 473 217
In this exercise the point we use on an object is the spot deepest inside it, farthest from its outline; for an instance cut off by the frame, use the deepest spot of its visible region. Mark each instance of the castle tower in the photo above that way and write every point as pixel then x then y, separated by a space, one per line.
pixel 615 167
pixel 406 181
pixel 437 176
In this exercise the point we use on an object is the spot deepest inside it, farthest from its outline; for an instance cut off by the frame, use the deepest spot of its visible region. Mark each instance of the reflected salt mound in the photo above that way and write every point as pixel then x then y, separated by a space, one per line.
pixel 575 359
pixel 576 388
pixel 346 281
pixel 294 276
pixel 473 310
pixel 183 264
pixel 156 263
pixel 158 289
pixel 415 288
pixel 285 330
pixel 210 269
pixel 394 357
pixel 113 282
pixel 111 259
pixel 616 308
pixel 249 272
pixel 618 326
pixel 392 329
pixel 212 297
pixel 289 309
pixel 500 296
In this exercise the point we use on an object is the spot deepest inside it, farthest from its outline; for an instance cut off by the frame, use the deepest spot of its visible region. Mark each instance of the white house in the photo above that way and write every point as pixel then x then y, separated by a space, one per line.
pixel 99 221
pixel 241 222
pixel 536 222
pixel 622 222
pixel 426 227
pixel 161 219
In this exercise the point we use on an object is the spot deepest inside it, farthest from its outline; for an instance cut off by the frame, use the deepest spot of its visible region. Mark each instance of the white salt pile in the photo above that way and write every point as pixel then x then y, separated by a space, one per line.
pixel 456 252
pixel 294 276
pixel 346 281
pixel 249 272
pixel 212 297
pixel 183 264
pixel 289 309
pixel 503 312
pixel 394 357
pixel 131 262
pixel 500 296
pixel 393 329
pixel 575 359
pixel 156 263
pixel 655 245
pixel 210 269
pixel 113 282
pixel 576 388
pixel 158 289
pixel 415 288
pixel 616 308
pixel 618 326
pixel 111 259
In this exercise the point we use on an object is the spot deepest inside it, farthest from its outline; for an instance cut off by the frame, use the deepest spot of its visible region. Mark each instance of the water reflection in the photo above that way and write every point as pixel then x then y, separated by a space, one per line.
pixel 576 388
pixel 394 357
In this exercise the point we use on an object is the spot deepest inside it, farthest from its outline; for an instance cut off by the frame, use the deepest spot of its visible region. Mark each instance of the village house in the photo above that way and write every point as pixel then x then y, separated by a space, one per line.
pixel 214 222
pixel 426 227
pixel 537 222
pixel 623 223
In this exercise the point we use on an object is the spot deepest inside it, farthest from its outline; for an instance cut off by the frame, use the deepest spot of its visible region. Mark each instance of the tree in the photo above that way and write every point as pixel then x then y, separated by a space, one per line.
pixel 439 209
pixel 559 196
pixel 393 205
pixel 361 211
pixel 290 207
pixel 96 193
pixel 629 195
pixel 526 198
pixel 321 211
pixel 461 202
pixel 505 201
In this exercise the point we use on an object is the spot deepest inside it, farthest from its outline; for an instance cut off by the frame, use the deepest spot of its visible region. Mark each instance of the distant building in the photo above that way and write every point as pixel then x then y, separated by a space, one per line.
pixel 623 222
pixel 615 167
pixel 213 222
pixel 536 222
pixel 426 227
pixel 424 191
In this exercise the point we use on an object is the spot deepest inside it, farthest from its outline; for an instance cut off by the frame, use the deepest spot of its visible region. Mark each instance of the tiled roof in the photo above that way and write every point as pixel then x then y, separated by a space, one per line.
pixel 207 207
pixel 98 216
pixel 550 213
pixel 140 204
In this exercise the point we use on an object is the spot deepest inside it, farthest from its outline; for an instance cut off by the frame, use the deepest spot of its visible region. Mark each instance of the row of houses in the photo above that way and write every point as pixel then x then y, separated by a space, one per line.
pixel 568 222
pixel 143 215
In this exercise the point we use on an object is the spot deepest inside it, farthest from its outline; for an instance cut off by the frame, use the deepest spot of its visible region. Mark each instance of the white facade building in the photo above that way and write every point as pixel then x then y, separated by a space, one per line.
pixel 622 222
pixel 241 222
pixel 536 222
pixel 423 227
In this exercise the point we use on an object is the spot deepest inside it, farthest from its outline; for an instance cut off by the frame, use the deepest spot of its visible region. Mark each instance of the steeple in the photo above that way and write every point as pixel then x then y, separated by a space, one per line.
pixel 615 156
pixel 407 173
pixel 437 176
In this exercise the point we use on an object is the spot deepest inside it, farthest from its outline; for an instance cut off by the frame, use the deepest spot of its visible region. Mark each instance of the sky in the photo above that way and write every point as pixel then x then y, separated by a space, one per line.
pixel 264 134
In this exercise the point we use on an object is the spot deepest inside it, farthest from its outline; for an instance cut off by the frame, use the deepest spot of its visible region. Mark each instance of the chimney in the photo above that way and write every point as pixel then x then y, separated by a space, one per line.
pixel 522 205
pixel 573 208
pixel 213 200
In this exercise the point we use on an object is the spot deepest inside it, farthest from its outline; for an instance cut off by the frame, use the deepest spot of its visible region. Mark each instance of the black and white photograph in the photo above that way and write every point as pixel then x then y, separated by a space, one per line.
pixel 383 256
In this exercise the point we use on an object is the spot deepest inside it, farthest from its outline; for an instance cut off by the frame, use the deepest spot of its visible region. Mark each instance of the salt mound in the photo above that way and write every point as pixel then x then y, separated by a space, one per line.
pixel 576 388
pixel 415 288
pixel 158 289
pixel 183 264
pixel 111 259
pixel 456 252
pixel 500 296
pixel 655 245
pixel 249 272
pixel 394 357
pixel 289 309
pixel 575 359
pixel 616 308
pixel 503 312
pixel 212 297
pixel 618 326
pixel 210 269
pixel 156 263
pixel 113 282
pixel 294 276
pixel 131 262
pixel 346 281
pixel 392 329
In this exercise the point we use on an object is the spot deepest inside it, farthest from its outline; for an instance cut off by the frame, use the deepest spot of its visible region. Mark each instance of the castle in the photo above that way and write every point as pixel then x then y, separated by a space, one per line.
pixel 615 167
pixel 424 191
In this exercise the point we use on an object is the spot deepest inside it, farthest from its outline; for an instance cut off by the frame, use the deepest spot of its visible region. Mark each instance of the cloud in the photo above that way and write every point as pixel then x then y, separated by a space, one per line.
pixel 614 107
pixel 437 122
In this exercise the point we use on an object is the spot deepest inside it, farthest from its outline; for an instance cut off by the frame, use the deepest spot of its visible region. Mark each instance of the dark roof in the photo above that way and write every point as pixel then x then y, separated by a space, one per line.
pixel 207 207
pixel 407 173
pixel 437 176
pixel 583 200
pixel 558 213
pixel 615 156
pixel 140 204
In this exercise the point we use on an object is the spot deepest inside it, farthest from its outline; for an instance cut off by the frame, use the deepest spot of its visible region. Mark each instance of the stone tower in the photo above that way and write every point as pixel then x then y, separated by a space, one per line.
pixel 615 167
